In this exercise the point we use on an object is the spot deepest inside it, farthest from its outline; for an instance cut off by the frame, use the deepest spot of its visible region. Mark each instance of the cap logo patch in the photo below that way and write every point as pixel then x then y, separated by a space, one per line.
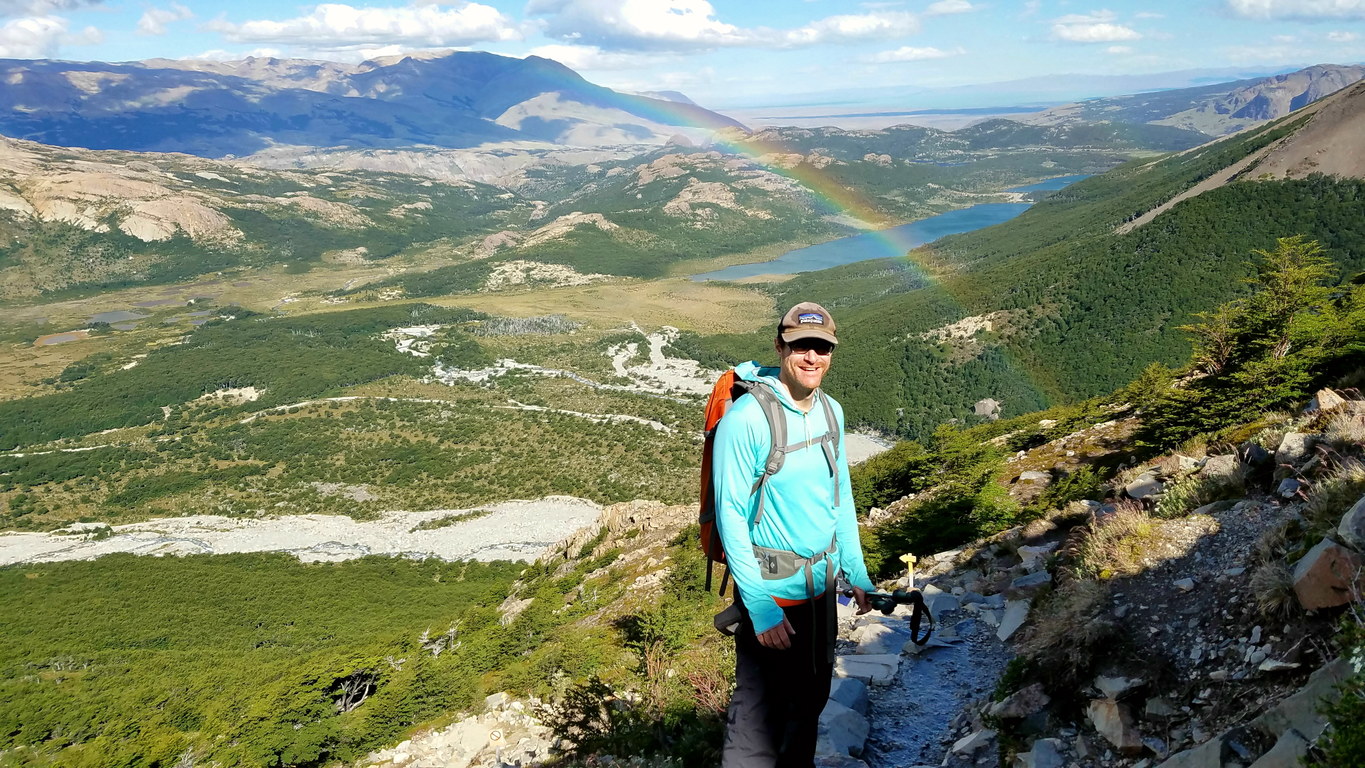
pixel 810 317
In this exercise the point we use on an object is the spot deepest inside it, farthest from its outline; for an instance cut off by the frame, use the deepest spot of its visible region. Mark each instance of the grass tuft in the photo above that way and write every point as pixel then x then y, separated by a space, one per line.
pixel 1116 543
pixel 1333 495
pixel 1188 494
pixel 1072 634
pixel 1272 586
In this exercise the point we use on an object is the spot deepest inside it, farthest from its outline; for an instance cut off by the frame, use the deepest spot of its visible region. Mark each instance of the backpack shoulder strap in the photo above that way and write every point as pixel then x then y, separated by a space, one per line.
pixel 830 442
pixel 777 432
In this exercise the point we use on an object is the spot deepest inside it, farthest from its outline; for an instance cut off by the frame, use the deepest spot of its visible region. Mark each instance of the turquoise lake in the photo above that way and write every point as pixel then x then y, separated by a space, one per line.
pixel 886 243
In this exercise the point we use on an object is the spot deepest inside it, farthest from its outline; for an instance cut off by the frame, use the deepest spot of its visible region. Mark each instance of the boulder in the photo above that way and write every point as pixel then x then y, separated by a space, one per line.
pixel 1032 557
pixel 842 731
pixel 495 701
pixel 1326 576
pixel 1222 466
pixel 987 408
pixel 1046 753
pixel 1297 717
pixel 1112 720
pixel 1206 755
pixel 1288 752
pixel 1288 488
pixel 1156 747
pixel 1352 528
pixel 1024 702
pixel 1253 455
pixel 1117 687
pixel 880 638
pixel 973 741
pixel 1300 711
pixel 873 669
pixel 1145 486
pixel 851 692
pixel 838 761
pixel 1324 400
pixel 1035 477
pixel 1160 709
pixel 1294 448
pixel 1029 585
pixel 1016 613
pixel 937 601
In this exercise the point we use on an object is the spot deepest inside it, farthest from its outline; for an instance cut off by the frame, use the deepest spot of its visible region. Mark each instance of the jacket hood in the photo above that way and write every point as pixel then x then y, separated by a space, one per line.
pixel 768 375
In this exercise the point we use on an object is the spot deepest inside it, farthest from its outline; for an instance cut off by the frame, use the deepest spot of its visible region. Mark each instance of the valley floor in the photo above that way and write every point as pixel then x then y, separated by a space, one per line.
pixel 513 530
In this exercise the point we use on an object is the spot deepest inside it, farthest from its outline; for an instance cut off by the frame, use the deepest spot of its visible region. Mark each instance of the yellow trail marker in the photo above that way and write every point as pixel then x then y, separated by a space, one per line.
pixel 909 561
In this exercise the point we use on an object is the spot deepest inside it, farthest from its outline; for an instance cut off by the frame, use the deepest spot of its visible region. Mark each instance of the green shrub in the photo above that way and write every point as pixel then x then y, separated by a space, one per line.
pixel 1343 743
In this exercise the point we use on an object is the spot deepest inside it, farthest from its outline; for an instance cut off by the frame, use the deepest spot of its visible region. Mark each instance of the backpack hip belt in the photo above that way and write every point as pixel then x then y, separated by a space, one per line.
pixel 783 564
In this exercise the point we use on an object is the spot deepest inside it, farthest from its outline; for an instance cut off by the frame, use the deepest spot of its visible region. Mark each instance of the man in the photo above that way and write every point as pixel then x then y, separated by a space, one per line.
pixel 785 540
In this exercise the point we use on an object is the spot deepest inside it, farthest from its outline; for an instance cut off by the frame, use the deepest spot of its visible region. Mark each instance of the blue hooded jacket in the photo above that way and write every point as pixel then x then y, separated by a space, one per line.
pixel 800 511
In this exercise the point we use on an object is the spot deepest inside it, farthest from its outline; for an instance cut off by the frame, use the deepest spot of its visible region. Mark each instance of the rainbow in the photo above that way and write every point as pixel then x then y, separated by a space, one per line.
pixel 831 197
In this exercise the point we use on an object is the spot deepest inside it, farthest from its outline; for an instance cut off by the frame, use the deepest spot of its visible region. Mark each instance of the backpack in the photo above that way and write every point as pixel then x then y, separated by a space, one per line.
pixel 729 388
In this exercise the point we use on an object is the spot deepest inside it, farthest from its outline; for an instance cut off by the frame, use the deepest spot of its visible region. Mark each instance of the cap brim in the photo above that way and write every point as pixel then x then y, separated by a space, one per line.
pixel 809 333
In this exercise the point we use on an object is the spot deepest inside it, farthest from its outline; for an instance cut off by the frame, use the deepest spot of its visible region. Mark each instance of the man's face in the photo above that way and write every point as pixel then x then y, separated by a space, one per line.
pixel 804 363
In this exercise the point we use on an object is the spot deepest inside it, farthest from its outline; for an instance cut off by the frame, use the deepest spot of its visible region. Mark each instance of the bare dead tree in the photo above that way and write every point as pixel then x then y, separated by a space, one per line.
pixel 355 688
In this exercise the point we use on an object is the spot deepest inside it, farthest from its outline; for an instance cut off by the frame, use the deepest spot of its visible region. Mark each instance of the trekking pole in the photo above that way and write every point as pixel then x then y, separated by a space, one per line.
pixel 886 603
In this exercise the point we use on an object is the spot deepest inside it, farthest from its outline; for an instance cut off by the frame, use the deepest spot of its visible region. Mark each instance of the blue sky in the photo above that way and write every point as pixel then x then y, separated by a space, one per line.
pixel 722 52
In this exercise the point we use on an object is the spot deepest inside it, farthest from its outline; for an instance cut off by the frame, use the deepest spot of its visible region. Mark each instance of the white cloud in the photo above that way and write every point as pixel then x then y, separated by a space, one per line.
pixel 41 37
pixel 636 23
pixel 910 53
pixel 1119 50
pixel 849 28
pixel 154 20
pixel 1339 36
pixel 1298 9
pixel 1148 15
pixel 336 25
pixel 42 8
pixel 943 7
pixel 1096 27
pixel 1086 18
pixel 679 25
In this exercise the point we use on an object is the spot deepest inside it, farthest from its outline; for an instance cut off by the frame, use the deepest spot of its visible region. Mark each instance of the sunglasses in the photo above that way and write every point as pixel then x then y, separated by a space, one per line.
pixel 802 346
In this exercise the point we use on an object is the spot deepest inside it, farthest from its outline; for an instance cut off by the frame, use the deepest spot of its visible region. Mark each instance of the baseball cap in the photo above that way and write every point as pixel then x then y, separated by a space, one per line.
pixel 807 320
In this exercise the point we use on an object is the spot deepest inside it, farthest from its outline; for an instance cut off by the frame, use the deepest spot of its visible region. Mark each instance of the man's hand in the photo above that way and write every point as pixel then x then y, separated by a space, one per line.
pixel 860 597
pixel 779 637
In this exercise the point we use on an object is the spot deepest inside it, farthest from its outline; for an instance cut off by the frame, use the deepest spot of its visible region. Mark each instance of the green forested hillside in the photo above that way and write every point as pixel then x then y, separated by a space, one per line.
pixel 1076 309
pixel 139 661
pixel 289 359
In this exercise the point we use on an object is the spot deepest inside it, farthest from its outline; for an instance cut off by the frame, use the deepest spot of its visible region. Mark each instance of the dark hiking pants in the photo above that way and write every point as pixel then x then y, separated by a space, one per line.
pixel 779 694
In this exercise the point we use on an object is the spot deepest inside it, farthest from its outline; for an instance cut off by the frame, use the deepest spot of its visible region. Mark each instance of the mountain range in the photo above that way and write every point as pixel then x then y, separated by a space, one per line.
pixel 1217 109
pixel 216 109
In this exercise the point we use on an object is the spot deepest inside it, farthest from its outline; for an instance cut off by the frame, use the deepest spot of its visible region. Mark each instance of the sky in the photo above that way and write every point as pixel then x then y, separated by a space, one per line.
pixel 724 52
